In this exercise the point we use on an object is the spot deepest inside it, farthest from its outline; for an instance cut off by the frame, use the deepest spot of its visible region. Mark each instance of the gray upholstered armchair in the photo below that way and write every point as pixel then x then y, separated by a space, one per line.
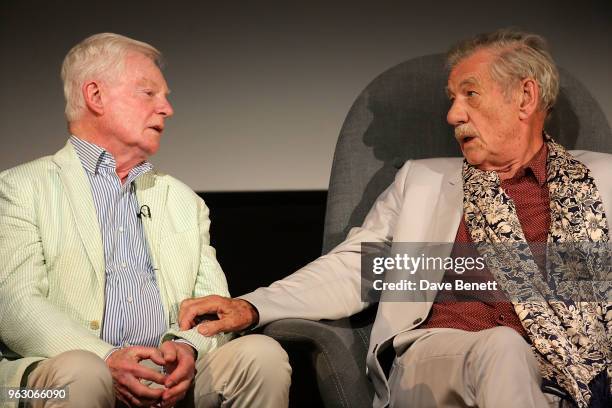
pixel 400 115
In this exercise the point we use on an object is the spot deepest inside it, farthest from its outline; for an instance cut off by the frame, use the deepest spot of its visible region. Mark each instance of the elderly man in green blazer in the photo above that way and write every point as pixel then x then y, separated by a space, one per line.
pixel 98 250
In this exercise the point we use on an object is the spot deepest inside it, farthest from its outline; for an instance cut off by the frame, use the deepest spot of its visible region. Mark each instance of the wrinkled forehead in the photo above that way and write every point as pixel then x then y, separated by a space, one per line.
pixel 473 69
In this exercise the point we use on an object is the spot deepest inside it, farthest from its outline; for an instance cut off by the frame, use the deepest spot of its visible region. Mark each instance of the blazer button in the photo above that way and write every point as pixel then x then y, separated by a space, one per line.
pixel 417 321
pixel 94 325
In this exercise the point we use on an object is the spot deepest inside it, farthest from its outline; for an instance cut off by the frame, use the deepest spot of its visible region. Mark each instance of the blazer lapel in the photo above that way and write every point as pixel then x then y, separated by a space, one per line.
pixel 78 190
pixel 449 211
pixel 152 192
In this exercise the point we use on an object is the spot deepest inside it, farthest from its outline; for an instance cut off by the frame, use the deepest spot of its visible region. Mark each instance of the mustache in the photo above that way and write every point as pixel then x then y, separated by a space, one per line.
pixel 464 130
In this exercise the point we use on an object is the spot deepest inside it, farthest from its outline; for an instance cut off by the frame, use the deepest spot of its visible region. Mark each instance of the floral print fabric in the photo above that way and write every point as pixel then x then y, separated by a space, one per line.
pixel 571 338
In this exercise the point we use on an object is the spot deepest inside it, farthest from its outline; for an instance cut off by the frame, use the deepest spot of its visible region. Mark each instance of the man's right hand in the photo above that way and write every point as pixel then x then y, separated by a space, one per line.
pixel 234 314
pixel 126 372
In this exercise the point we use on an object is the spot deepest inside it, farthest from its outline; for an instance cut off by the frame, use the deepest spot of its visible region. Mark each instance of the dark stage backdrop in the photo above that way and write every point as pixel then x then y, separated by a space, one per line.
pixel 261 237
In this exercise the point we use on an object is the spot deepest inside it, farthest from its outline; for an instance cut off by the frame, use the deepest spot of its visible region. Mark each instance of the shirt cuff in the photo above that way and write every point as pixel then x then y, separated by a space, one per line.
pixel 187 342
pixel 111 351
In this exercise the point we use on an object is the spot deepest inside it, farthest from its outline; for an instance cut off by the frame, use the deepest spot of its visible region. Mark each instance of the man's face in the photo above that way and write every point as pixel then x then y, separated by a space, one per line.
pixel 486 122
pixel 135 107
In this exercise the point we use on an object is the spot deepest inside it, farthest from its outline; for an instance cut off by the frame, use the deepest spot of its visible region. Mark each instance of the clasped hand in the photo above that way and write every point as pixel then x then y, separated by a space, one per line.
pixel 178 360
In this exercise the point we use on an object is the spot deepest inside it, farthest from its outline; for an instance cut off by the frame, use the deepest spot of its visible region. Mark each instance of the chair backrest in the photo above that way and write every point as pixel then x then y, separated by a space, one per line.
pixel 401 115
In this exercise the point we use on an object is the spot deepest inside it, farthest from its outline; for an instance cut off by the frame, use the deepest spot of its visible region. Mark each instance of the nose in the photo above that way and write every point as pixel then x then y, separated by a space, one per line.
pixel 456 114
pixel 165 108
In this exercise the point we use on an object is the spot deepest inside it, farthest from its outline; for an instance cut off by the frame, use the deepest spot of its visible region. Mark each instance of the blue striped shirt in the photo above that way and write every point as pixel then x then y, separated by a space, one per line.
pixel 133 311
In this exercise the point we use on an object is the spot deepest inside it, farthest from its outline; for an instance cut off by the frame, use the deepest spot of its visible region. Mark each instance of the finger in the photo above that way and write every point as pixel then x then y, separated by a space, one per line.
pixel 184 370
pixel 123 395
pixel 177 392
pixel 142 392
pixel 212 327
pixel 141 353
pixel 145 373
pixel 168 350
pixel 189 311
pixel 126 396
pixel 158 358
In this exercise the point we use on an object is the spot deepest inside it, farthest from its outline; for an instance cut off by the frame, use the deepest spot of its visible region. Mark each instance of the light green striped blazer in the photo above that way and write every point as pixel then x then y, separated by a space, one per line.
pixel 52 271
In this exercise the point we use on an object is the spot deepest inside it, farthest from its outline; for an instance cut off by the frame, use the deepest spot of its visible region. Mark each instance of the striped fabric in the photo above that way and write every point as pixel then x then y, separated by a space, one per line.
pixel 133 313
pixel 53 260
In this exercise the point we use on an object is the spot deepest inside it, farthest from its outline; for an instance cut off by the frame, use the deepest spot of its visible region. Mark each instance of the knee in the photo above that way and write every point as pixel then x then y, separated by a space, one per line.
pixel 249 371
pixel 506 340
pixel 263 355
pixel 83 367
pixel 88 380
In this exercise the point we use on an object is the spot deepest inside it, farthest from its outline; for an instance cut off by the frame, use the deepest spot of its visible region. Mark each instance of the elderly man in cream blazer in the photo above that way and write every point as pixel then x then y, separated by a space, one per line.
pixel 514 185
pixel 97 251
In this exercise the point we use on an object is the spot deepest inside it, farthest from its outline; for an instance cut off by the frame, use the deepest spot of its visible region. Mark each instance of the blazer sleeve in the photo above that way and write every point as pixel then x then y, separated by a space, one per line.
pixel 330 286
pixel 29 324
pixel 210 280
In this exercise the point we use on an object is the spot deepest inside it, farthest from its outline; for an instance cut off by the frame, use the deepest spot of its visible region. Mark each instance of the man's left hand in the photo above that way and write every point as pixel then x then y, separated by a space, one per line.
pixel 180 366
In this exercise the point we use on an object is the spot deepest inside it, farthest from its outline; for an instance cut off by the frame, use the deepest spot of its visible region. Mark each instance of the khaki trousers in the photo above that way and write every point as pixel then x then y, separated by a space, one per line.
pixel 251 371
pixel 493 368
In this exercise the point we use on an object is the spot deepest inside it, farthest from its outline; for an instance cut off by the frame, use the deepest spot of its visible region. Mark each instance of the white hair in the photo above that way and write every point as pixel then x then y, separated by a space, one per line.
pixel 100 57
pixel 519 55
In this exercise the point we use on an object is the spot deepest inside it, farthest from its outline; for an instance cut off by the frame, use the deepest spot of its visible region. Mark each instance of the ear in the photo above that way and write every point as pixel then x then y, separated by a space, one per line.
pixel 92 94
pixel 529 98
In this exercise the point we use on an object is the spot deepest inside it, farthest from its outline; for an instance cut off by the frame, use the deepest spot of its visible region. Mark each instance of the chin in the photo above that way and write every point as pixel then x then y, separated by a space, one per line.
pixel 151 146
pixel 151 149
pixel 471 157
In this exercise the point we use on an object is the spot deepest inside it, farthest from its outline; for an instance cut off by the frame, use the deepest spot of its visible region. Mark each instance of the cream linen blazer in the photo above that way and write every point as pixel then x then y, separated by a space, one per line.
pixel 52 272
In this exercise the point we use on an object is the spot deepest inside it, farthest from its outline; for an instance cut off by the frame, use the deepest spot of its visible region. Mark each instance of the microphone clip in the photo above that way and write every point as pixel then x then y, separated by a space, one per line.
pixel 145 212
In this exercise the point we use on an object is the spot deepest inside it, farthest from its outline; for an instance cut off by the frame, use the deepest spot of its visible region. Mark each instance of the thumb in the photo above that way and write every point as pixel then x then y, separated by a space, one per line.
pixel 168 350
pixel 157 357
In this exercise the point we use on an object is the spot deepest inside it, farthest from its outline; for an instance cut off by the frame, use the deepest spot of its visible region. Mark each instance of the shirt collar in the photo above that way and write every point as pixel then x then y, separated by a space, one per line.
pixel 93 158
pixel 536 166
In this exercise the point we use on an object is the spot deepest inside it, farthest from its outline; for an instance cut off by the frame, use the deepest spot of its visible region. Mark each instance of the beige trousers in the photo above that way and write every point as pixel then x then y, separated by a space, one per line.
pixel 251 371
pixel 493 368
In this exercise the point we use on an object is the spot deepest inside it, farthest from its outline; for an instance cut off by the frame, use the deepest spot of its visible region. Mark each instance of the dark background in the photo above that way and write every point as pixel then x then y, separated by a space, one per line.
pixel 261 237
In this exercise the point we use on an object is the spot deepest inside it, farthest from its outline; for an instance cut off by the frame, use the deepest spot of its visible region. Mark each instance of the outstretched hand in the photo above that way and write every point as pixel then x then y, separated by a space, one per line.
pixel 234 314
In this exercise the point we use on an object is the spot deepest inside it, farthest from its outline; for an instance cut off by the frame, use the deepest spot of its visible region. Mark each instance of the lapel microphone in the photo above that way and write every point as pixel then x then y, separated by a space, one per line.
pixel 145 212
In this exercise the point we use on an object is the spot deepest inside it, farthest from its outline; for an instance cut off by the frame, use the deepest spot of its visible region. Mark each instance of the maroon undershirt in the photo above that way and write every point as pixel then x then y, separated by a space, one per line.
pixel 529 191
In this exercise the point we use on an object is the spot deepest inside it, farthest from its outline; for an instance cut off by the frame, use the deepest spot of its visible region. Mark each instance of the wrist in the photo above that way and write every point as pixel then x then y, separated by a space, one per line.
pixel 110 352
pixel 254 315
pixel 186 346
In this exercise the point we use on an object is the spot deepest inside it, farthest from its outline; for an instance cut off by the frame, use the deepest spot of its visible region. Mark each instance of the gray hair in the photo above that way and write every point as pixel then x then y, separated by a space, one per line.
pixel 100 56
pixel 519 55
